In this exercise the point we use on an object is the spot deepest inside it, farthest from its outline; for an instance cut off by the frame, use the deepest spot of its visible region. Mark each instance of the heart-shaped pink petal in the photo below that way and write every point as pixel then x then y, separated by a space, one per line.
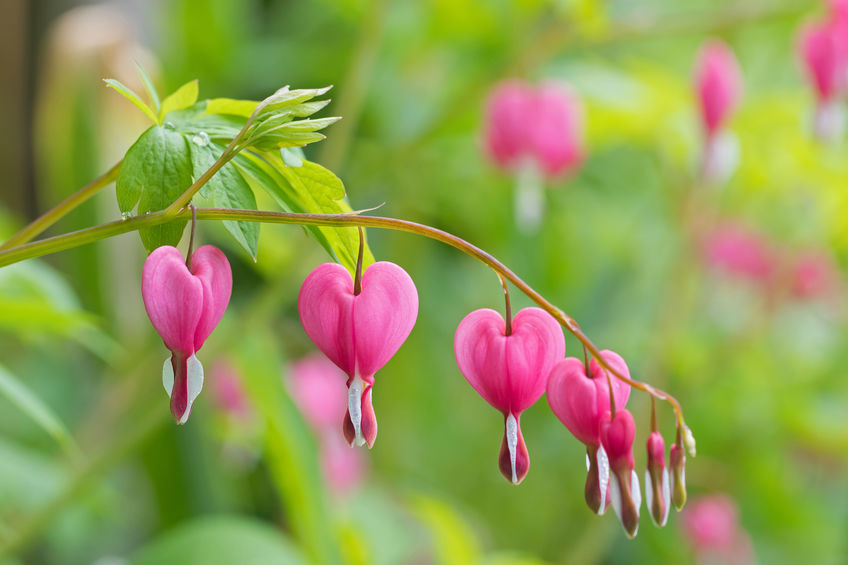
pixel 173 299
pixel 210 266
pixel 509 372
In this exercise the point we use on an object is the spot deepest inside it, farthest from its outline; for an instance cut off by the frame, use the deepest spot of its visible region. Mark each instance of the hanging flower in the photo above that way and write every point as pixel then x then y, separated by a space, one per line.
pixel 617 433
pixel 185 306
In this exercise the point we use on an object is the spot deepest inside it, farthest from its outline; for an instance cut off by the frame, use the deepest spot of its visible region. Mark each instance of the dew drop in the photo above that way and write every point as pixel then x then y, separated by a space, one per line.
pixel 170 125
pixel 201 139
pixel 126 215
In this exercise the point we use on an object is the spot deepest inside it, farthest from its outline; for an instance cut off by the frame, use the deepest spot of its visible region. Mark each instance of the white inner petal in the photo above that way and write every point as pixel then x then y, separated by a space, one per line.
pixel 649 495
pixel 512 443
pixel 168 376
pixel 603 478
pixel 615 496
pixel 666 494
pixel 194 384
pixel 354 406
pixel 636 494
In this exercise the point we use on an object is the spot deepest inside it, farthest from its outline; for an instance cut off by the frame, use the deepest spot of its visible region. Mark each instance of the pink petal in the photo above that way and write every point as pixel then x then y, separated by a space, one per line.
pixel 325 304
pixel 620 389
pixel 508 111
pixel 718 82
pixel 617 436
pixel 384 314
pixel 513 460
pixel 210 266
pixel 173 299
pixel 573 398
pixel 556 132
pixel 819 48
pixel 509 372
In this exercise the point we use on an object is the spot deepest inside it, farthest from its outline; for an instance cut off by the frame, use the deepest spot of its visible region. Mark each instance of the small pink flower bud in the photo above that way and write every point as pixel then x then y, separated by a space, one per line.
pixel 657 489
pixel 508 112
pixel 580 402
pixel 184 307
pixel 677 461
pixel 617 434
pixel 229 390
pixel 821 48
pixel 509 371
pixel 358 332
pixel 718 82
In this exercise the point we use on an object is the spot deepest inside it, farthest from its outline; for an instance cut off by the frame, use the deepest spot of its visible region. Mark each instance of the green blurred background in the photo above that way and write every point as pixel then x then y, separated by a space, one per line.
pixel 96 472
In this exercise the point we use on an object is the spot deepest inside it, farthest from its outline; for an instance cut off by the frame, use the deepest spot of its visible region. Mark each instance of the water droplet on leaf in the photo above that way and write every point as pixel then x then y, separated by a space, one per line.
pixel 201 139
pixel 170 125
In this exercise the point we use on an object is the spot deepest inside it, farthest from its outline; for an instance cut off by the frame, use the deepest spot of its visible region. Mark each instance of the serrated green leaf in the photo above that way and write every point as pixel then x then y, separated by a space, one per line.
pixel 182 98
pixel 156 170
pixel 279 132
pixel 132 97
pixel 298 192
pixel 151 90
pixel 285 97
pixel 27 402
pixel 231 106
pixel 195 120
pixel 227 189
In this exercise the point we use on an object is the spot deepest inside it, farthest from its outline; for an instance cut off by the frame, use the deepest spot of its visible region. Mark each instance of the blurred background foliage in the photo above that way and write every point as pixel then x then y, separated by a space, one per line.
pixel 92 469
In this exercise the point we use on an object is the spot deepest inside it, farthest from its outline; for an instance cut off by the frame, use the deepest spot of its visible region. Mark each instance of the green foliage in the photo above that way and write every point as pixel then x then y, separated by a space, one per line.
pixel 182 98
pixel 156 170
pixel 132 97
pixel 221 540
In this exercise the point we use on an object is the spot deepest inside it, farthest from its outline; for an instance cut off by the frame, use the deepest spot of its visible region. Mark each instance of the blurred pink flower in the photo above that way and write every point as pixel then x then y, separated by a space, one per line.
pixel 543 125
pixel 718 82
pixel 740 252
pixel 227 389
pixel 819 52
pixel 814 275
pixel 343 467
pixel 711 523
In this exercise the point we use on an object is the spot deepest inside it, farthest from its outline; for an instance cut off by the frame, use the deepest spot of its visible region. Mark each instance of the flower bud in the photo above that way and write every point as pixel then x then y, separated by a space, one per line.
pixel 657 491
pixel 677 459
pixel 617 435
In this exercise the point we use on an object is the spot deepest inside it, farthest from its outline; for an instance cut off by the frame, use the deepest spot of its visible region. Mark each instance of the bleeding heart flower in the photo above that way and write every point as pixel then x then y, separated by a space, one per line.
pixel 184 307
pixel 677 461
pixel 358 332
pixel 820 47
pixel 617 435
pixel 580 402
pixel 509 370
pixel 712 525
pixel 657 489
pixel 718 83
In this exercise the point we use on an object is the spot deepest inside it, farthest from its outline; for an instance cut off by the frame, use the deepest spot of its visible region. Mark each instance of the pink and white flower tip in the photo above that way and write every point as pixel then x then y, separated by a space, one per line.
pixel 508 365
pixel 617 434
pixel 718 84
pixel 657 484
pixel 359 328
pixel 580 400
pixel 184 307
pixel 536 133
pixel 823 48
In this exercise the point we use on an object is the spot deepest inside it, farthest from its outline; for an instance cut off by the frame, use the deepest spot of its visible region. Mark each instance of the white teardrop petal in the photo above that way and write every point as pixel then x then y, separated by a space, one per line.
pixel 168 376
pixel 603 478
pixel 666 494
pixel 512 443
pixel 194 384
pixel 649 494
pixel 615 495
pixel 354 406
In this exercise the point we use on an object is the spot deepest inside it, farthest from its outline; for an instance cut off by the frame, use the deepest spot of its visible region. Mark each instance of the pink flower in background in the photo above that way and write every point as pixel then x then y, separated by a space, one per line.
pixel 509 370
pixel 718 84
pixel 359 330
pixel 711 523
pixel 317 387
pixel 580 401
pixel 185 306
pixel 228 389
pixel 824 52
pixel 814 274
pixel 542 125
pixel 740 252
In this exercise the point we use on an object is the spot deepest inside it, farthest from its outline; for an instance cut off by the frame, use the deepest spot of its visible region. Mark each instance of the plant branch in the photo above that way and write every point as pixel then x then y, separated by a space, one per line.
pixel 37 226
pixel 89 235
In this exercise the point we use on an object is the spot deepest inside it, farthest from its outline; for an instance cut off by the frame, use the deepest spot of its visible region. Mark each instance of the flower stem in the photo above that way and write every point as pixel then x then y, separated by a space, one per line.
pixel 58 212
pixel 508 308
pixel 89 235
pixel 357 281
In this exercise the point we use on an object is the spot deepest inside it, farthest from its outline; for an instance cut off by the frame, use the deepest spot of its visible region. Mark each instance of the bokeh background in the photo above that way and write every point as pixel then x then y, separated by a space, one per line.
pixel 92 469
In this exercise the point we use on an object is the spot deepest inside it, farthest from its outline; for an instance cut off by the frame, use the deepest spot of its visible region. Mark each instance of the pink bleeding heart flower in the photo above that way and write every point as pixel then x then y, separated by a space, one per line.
pixel 509 370
pixel 814 274
pixel 820 47
pixel 358 332
pixel 657 485
pixel 318 388
pixel 741 252
pixel 712 525
pixel 508 110
pixel 617 434
pixel 185 306
pixel 718 83
pixel 580 402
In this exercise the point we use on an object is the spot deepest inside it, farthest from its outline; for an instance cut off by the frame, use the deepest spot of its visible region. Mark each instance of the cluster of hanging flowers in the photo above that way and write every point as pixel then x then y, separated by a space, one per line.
pixel 823 51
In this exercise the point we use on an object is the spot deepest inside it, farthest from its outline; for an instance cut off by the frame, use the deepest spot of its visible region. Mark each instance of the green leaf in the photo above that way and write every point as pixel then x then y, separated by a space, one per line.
pixel 309 188
pixel 195 120
pixel 148 84
pixel 226 189
pixel 273 134
pixel 185 96
pixel 221 540
pixel 28 403
pixel 231 106
pixel 156 170
pixel 132 97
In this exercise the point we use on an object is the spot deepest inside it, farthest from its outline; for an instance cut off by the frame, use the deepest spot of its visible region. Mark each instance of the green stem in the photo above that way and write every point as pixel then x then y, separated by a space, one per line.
pixel 185 198
pixel 89 235
pixel 60 210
